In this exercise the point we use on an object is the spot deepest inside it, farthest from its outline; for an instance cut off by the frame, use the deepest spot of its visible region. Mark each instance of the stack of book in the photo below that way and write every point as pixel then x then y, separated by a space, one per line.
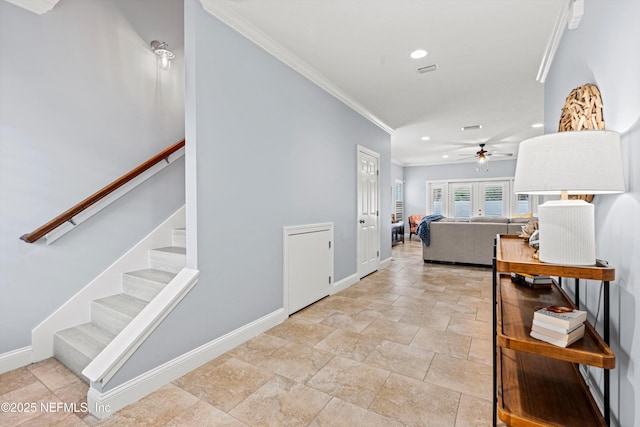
pixel 531 280
pixel 561 326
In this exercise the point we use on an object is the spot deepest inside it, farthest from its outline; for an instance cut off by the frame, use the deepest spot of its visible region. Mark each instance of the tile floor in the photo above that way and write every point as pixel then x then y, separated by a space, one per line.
pixel 406 346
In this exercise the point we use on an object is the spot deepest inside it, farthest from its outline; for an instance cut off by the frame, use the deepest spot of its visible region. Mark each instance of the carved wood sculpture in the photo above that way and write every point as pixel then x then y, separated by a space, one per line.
pixel 582 110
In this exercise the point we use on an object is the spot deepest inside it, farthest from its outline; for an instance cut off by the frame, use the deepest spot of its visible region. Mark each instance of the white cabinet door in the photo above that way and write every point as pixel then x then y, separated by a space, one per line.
pixel 309 267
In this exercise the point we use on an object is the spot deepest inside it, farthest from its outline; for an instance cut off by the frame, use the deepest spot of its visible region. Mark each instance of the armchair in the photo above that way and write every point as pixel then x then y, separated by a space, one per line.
pixel 414 220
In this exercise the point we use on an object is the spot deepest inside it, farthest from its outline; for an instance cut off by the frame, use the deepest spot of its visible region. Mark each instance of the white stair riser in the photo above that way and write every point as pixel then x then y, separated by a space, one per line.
pixel 179 237
pixel 141 288
pixel 69 356
pixel 108 319
pixel 167 261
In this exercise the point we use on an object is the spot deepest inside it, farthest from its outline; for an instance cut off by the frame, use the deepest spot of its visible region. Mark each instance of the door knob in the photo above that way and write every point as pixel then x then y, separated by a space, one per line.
pixel 362 221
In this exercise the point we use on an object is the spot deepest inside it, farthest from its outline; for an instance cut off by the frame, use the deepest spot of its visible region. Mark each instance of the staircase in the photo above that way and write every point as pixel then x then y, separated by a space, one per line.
pixel 75 347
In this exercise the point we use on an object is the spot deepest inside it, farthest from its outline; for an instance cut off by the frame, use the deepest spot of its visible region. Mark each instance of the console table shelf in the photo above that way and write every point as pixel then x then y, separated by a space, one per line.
pixel 536 383
pixel 515 315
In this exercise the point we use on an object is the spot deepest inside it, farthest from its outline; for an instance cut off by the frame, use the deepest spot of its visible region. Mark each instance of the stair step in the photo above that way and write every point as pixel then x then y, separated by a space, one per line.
pixel 170 258
pixel 114 312
pixel 179 237
pixel 145 284
pixel 77 346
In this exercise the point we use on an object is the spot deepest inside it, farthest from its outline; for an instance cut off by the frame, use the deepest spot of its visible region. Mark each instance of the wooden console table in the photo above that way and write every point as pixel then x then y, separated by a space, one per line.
pixel 536 383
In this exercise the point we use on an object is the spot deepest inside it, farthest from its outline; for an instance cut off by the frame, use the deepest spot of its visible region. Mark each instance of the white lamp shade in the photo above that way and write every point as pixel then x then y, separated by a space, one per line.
pixel 580 162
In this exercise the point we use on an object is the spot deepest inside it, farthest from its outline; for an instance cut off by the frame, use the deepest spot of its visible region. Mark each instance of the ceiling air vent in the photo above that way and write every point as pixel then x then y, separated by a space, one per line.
pixel 474 127
pixel 428 68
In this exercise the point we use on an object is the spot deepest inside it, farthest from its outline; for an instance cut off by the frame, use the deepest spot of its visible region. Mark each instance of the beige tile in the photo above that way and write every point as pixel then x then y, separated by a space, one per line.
pixel 406 291
pixel 348 322
pixel 302 331
pixel 339 413
pixel 384 311
pixel 74 394
pixel 225 385
pixel 391 331
pixel 314 313
pixel 455 310
pixel 281 402
pixel 258 349
pixel 470 328
pixel 409 361
pixel 442 342
pixel 474 412
pixel 475 379
pixel 427 320
pixel 13 380
pixel 416 403
pixel 481 351
pixel 55 419
pixel 157 408
pixel 485 315
pixel 53 374
pixel 350 381
pixel 349 344
pixel 297 362
pixel 33 395
pixel 480 303
pixel 202 414
pixel 346 305
pixel 415 304
pixel 381 298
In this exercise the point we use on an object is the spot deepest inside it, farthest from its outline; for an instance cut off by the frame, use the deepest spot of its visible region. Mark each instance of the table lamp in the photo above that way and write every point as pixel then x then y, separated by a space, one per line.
pixel 567 163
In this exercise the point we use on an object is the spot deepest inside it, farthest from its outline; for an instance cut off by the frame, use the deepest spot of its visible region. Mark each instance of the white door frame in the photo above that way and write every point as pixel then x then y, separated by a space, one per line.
pixel 376 264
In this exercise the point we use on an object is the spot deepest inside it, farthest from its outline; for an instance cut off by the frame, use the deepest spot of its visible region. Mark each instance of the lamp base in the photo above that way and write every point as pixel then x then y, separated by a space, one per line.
pixel 567 232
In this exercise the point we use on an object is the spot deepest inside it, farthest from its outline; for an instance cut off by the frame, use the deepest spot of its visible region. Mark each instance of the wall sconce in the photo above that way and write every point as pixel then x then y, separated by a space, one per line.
pixel 161 49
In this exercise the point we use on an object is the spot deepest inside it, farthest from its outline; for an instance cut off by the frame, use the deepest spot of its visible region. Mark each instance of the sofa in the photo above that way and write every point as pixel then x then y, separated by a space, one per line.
pixel 468 241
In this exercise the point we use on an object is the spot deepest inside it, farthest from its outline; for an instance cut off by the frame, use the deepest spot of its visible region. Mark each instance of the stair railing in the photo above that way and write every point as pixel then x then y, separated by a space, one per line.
pixel 69 216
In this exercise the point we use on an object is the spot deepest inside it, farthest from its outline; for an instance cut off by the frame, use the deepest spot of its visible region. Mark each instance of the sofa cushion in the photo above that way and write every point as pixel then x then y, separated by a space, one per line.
pixel 491 219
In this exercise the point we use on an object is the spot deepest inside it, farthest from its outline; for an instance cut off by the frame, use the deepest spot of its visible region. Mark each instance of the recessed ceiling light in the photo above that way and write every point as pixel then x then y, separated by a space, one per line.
pixel 473 127
pixel 444 156
pixel 537 125
pixel 425 138
pixel 419 53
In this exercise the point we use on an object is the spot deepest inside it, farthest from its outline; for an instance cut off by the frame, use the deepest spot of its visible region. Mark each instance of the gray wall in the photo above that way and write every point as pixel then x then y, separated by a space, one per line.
pixel 81 103
pixel 273 149
pixel 416 177
pixel 604 51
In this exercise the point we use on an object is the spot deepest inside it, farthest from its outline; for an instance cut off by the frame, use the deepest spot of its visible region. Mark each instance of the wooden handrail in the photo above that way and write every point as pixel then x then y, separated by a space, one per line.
pixel 97 196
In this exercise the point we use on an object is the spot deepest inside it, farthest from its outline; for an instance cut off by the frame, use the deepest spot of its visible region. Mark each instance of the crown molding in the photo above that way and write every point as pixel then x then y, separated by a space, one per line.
pixel 35 6
pixel 227 15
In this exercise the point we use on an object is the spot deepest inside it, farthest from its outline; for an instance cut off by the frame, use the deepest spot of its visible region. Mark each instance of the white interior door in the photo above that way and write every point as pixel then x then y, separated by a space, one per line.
pixel 368 212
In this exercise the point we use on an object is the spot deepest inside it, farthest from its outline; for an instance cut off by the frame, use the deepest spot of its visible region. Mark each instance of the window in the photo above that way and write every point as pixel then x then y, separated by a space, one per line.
pixel 399 200
pixel 491 197
pixel 435 198
pixel 522 206
pixel 437 201
pixel 460 195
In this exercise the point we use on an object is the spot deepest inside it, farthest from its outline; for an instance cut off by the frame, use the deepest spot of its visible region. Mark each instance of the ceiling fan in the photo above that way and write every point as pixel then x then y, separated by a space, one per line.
pixel 482 156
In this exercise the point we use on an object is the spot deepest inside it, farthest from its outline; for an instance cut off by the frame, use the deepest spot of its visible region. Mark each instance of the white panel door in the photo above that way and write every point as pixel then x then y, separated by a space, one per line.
pixel 310 266
pixel 368 213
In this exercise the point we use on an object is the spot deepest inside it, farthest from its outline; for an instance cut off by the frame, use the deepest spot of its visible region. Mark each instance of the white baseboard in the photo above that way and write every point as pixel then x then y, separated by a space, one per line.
pixel 101 405
pixel 385 263
pixel 15 359
pixel 343 284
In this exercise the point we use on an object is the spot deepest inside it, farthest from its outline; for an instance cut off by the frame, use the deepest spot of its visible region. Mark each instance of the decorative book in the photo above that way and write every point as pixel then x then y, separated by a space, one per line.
pixel 562 317
pixel 555 341
pixel 532 281
pixel 551 332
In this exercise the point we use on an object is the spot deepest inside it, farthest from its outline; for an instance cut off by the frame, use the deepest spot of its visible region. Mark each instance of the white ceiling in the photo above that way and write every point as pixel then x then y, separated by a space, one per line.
pixel 488 53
